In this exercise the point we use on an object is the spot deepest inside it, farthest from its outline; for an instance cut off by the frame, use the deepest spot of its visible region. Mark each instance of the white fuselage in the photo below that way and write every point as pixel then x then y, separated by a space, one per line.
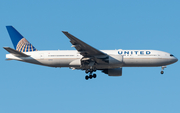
pixel 72 58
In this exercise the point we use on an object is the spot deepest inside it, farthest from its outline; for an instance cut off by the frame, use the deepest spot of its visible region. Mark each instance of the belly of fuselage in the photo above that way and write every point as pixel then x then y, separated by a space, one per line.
pixel 59 62
pixel 127 62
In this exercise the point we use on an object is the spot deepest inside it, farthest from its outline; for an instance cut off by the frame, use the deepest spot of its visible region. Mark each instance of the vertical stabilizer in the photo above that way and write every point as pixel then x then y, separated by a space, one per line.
pixel 19 42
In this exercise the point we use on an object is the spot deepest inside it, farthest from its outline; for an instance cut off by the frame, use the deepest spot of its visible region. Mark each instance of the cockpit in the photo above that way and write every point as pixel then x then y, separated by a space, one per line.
pixel 171 55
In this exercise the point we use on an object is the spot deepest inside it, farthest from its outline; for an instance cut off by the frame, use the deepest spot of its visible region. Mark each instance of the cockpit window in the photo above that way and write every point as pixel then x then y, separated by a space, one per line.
pixel 171 55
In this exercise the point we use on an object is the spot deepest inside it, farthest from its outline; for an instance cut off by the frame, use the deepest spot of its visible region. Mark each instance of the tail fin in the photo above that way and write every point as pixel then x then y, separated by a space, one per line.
pixel 19 42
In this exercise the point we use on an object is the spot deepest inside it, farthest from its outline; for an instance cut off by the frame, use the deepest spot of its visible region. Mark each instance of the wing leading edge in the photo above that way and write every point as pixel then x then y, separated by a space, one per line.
pixel 83 48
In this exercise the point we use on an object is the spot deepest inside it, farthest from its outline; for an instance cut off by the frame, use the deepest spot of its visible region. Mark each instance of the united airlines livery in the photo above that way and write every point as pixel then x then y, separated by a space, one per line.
pixel 86 57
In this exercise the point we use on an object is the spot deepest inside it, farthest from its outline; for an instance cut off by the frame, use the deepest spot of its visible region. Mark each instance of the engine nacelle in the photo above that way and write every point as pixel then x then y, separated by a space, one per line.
pixel 113 72
pixel 116 60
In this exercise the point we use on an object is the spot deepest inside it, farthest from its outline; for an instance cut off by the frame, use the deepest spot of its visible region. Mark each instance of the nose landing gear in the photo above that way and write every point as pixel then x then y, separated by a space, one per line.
pixel 162 72
pixel 162 69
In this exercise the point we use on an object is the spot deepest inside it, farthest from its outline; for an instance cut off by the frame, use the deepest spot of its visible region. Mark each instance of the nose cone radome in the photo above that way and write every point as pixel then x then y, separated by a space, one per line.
pixel 176 59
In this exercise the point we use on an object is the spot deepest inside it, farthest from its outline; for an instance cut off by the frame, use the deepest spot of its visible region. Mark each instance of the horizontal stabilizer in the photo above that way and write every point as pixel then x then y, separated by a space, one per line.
pixel 15 52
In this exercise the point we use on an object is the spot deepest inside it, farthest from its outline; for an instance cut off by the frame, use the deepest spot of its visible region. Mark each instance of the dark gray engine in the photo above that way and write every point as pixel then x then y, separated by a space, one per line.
pixel 113 72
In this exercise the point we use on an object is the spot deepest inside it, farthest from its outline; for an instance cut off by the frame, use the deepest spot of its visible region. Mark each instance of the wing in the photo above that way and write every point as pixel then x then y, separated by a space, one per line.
pixel 84 49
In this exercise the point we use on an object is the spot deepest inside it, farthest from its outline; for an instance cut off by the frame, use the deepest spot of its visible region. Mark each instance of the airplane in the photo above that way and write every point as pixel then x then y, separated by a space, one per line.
pixel 86 57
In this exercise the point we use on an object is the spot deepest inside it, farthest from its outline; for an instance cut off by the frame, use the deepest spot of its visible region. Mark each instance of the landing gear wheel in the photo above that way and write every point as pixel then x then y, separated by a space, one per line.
pixel 90 76
pixel 91 70
pixel 86 77
pixel 87 71
pixel 94 75
pixel 162 68
pixel 162 72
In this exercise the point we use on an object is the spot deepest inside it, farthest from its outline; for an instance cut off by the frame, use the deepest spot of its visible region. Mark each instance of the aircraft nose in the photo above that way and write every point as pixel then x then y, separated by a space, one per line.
pixel 175 59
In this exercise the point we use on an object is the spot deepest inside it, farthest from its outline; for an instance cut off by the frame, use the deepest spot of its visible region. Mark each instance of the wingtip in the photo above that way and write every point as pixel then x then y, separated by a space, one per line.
pixel 6 47
pixel 64 31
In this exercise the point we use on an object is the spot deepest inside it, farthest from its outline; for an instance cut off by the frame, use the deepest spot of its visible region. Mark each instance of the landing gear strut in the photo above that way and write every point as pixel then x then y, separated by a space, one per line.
pixel 162 69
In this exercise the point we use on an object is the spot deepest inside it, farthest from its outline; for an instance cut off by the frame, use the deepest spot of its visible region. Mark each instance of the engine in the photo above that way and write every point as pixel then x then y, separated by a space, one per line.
pixel 113 72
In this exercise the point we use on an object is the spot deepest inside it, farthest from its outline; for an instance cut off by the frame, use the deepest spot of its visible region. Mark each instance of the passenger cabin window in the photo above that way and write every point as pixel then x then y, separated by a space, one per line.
pixel 59 55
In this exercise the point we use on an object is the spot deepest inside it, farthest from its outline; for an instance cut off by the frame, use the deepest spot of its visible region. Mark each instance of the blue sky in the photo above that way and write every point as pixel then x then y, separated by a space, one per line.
pixel 104 24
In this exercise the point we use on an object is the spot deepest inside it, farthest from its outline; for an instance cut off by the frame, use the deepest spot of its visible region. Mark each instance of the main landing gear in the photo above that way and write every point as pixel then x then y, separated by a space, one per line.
pixel 162 69
pixel 90 71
